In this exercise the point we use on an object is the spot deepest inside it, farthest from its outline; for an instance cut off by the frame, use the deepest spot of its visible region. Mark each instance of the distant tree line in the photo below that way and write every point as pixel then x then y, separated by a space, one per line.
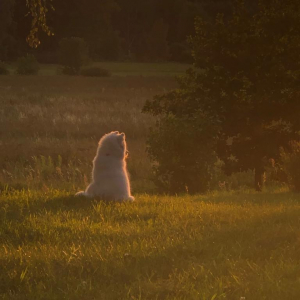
pixel 139 30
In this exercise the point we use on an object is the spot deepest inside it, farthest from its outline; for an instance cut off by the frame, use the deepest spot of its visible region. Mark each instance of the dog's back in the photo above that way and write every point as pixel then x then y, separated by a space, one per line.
pixel 110 178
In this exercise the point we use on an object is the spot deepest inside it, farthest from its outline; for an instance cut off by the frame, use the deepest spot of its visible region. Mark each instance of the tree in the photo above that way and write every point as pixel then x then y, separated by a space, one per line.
pixel 73 54
pixel 6 7
pixel 157 44
pixel 5 16
pixel 112 26
pixel 246 78
pixel 38 10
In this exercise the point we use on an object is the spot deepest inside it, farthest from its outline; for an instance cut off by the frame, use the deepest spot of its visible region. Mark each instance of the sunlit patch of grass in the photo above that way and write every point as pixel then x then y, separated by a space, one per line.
pixel 217 246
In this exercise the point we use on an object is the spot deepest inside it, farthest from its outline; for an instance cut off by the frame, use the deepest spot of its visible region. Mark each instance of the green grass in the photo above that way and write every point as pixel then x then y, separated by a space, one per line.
pixel 144 69
pixel 169 69
pixel 216 246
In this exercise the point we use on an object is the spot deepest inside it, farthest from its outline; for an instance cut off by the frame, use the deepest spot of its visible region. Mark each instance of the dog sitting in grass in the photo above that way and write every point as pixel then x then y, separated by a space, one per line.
pixel 110 178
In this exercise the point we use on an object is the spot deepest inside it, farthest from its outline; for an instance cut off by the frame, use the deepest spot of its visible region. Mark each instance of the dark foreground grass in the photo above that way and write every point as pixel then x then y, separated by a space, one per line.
pixel 217 246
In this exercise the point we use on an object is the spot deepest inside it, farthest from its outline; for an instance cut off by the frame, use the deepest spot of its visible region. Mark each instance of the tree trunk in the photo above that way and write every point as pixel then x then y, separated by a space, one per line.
pixel 259 177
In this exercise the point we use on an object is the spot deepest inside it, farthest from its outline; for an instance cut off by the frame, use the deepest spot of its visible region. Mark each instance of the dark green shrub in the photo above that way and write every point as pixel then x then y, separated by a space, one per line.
pixel 27 65
pixel 291 165
pixel 3 69
pixel 181 150
pixel 73 54
pixel 95 72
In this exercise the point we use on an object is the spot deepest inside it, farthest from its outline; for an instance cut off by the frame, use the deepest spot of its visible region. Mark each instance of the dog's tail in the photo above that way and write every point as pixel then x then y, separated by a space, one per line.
pixel 80 194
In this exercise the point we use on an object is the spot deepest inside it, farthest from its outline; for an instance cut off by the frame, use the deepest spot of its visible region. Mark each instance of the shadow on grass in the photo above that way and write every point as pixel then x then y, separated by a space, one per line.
pixel 248 197
pixel 74 203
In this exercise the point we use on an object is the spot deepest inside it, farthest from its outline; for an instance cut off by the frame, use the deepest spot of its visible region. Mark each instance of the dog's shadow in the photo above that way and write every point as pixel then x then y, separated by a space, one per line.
pixel 73 203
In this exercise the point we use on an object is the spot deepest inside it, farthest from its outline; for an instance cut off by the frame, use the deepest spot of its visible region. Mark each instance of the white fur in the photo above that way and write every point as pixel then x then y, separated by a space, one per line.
pixel 110 178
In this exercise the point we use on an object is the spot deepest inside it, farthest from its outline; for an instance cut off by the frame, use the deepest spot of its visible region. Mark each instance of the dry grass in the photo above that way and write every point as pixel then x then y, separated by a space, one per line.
pixel 50 126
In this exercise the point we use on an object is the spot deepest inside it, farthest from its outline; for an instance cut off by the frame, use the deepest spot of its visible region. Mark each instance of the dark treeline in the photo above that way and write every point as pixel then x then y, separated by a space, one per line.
pixel 139 30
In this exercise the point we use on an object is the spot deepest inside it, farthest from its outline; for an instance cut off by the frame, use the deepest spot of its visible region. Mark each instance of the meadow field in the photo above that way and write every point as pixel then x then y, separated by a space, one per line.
pixel 50 125
pixel 235 245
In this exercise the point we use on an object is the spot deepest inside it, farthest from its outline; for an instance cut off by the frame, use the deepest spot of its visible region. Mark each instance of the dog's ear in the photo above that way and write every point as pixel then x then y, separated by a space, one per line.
pixel 122 134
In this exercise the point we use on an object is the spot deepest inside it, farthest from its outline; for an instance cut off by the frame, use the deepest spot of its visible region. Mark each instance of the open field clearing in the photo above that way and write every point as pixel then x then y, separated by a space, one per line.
pixel 50 127
pixel 223 245
pixel 217 246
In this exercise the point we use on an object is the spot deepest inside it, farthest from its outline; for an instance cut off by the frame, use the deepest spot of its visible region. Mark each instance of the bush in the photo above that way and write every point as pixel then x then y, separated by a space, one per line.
pixel 27 65
pixel 3 69
pixel 291 164
pixel 95 72
pixel 73 54
pixel 181 149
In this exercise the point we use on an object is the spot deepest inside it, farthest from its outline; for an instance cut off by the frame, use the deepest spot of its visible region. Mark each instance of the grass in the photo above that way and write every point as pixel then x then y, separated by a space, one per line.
pixel 144 69
pixel 216 246
pixel 223 245
pixel 50 127
pixel 169 69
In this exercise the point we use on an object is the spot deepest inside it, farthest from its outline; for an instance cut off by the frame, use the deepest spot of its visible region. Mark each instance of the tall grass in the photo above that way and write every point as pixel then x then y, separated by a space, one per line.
pixel 50 127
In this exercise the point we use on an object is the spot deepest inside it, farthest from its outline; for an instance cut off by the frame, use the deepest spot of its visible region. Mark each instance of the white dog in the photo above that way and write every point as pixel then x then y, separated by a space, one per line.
pixel 110 178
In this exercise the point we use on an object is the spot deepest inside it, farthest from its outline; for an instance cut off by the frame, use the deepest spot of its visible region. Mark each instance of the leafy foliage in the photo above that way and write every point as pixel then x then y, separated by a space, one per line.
pixel 27 65
pixel 182 149
pixel 113 29
pixel 3 69
pixel 291 164
pixel 38 10
pixel 246 78
pixel 73 54
pixel 251 80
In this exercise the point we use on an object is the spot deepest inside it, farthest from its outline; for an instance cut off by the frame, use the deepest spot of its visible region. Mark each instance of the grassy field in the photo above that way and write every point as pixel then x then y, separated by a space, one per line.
pixel 50 127
pixel 125 68
pixel 223 245
pixel 217 246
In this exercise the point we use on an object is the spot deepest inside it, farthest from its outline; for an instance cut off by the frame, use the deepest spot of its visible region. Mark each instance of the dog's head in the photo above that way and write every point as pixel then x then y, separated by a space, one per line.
pixel 113 144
